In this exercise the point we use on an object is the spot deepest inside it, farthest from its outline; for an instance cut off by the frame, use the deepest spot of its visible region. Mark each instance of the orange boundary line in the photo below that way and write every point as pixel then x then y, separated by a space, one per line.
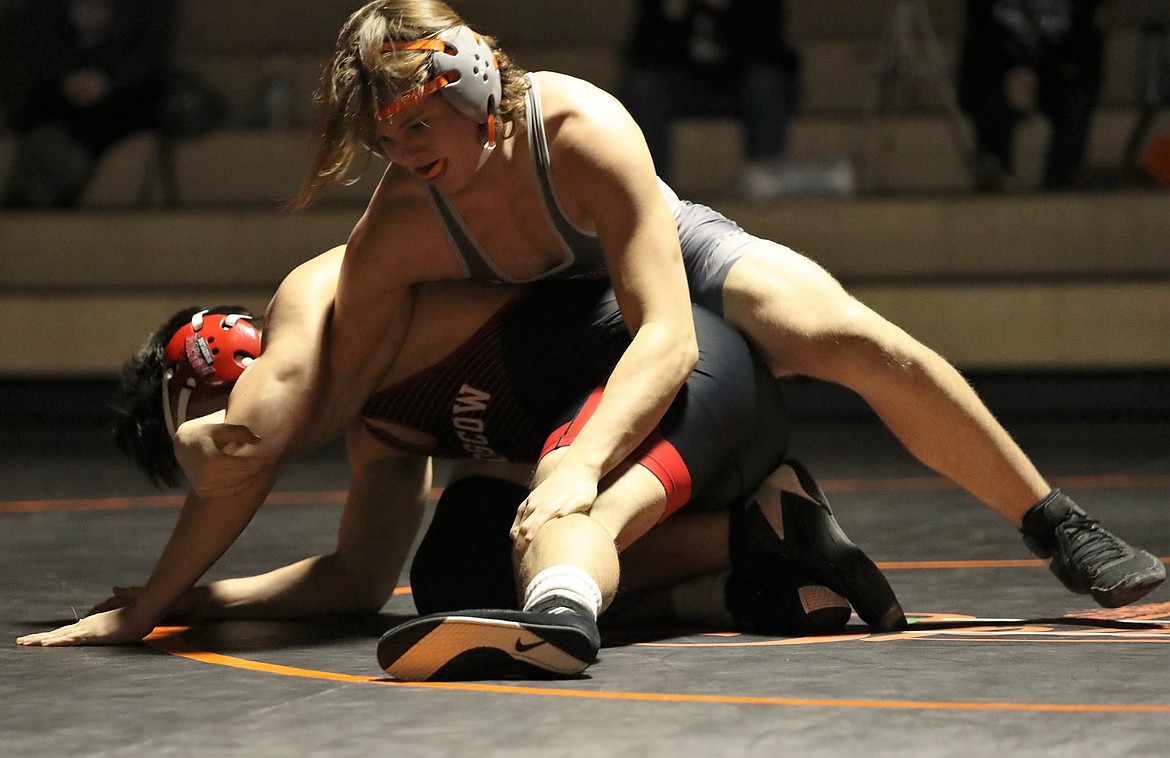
pixel 1053 640
pixel 165 640
pixel 330 497
pixel 973 564
pixel 1005 563
pixel 324 497
pixel 930 484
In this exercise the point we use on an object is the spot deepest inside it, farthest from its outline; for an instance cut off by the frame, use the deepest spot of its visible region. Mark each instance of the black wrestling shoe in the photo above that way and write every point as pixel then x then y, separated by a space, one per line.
pixel 787 527
pixel 1087 558
pixel 489 644
pixel 787 605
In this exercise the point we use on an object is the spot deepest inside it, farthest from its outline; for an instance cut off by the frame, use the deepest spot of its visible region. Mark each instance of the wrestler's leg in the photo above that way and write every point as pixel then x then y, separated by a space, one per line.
pixel 677 573
pixel 684 546
pixel 803 322
pixel 673 571
pixel 465 558
pixel 629 502
pixel 568 574
pixel 724 433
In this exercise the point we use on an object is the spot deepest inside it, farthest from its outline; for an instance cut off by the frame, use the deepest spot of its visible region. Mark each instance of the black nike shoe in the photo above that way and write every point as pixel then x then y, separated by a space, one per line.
pixel 787 605
pixel 489 644
pixel 787 528
pixel 1087 558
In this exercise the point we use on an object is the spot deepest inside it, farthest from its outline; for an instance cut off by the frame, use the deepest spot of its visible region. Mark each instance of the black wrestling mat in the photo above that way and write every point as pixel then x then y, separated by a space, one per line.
pixel 1000 659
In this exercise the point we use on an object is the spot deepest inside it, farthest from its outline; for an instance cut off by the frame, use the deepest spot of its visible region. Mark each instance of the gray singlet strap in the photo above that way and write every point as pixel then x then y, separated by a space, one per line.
pixel 474 260
pixel 575 240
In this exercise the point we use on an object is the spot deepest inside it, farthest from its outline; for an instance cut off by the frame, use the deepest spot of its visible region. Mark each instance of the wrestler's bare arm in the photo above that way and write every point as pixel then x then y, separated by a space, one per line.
pixel 605 176
pixel 384 505
pixel 267 402
pixel 382 515
pixel 383 511
pixel 205 529
pixel 371 315
pixel 268 413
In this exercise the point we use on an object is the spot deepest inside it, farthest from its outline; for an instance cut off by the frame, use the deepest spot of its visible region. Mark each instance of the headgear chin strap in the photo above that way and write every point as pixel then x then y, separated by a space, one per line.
pixel 464 70
pixel 204 358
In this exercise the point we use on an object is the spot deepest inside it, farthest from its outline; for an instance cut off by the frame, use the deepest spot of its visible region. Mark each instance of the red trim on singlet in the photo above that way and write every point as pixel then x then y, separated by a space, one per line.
pixel 662 459
pixel 564 436
pixel 655 454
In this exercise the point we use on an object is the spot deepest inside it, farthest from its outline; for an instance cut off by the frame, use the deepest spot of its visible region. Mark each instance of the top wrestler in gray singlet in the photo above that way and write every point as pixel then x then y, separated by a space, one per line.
pixel 710 242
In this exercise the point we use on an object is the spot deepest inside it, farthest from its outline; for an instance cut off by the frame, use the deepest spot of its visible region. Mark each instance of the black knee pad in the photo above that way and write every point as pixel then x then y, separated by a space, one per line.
pixel 465 559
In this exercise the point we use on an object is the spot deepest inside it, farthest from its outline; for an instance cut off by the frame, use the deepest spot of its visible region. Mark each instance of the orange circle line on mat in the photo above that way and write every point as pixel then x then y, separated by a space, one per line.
pixel 333 497
pixel 164 639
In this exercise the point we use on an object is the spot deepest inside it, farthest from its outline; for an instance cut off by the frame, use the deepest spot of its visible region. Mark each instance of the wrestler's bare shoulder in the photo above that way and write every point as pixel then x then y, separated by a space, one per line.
pixel 567 99
pixel 320 270
pixel 310 287
pixel 594 142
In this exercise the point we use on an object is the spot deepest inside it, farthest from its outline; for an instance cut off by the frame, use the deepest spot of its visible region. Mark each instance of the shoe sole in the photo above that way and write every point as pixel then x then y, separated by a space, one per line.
pixel 1134 589
pixel 446 648
pixel 825 611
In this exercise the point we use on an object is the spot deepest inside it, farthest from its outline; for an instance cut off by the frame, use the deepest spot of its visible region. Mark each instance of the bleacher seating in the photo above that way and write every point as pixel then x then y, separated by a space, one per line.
pixel 1016 281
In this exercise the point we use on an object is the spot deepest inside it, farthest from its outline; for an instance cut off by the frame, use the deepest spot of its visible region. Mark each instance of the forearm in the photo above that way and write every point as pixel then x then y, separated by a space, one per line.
pixel 318 586
pixel 641 387
pixel 382 516
pixel 206 528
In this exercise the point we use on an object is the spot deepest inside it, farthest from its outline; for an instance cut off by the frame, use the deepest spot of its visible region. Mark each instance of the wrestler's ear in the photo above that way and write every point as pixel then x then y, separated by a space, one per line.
pixel 230 438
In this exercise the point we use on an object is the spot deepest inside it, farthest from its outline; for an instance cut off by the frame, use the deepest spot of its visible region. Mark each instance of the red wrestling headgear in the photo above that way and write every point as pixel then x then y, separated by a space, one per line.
pixel 204 358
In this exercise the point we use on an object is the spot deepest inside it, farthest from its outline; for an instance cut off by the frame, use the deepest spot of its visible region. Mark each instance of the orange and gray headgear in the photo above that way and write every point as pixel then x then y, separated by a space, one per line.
pixel 463 69
pixel 204 358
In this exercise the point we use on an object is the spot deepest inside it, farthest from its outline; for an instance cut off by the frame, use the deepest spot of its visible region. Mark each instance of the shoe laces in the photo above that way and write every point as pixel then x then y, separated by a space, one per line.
pixel 1088 543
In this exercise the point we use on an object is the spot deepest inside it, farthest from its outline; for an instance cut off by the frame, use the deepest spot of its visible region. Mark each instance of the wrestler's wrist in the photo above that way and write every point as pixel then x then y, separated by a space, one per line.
pixel 138 618
pixel 582 468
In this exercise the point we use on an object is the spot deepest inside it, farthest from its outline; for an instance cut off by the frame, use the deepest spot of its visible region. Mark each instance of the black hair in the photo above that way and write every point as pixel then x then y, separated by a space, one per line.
pixel 140 429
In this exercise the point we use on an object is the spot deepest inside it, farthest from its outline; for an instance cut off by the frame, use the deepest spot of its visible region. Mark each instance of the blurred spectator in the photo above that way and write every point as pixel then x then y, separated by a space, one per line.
pixel 1024 54
pixel 698 58
pixel 88 73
